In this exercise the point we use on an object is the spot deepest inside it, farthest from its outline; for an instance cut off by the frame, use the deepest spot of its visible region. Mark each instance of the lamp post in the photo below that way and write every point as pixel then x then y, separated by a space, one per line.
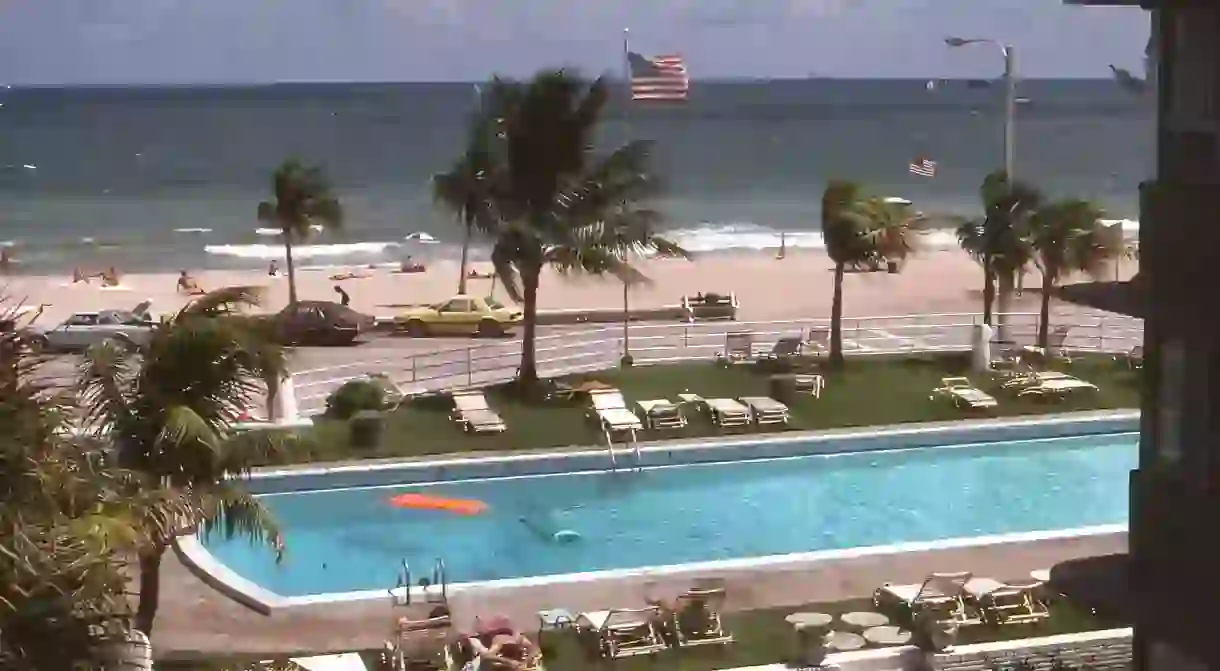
pixel 1010 94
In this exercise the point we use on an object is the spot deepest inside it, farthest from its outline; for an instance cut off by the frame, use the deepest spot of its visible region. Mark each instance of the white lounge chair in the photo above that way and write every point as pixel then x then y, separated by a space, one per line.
pixel 766 410
pixel 697 618
pixel 614 634
pixel 470 409
pixel 661 414
pixel 964 394
pixel 738 348
pixel 1004 603
pixel 612 412
pixel 727 412
pixel 1058 387
pixel 942 593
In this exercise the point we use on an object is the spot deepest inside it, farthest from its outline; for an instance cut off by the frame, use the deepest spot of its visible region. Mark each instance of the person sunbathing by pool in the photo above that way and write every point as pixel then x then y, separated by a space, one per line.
pixel 500 646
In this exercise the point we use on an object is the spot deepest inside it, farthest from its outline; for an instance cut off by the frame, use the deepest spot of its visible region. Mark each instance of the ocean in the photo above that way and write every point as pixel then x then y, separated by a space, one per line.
pixel 167 178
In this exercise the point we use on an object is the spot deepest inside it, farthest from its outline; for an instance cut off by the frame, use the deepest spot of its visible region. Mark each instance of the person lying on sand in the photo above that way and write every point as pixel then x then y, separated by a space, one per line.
pixel 410 266
pixel 476 275
pixel 188 285
pixel 350 275
pixel 79 276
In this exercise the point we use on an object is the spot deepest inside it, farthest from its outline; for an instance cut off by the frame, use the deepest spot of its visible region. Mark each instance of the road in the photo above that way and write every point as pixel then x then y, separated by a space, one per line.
pixel 418 364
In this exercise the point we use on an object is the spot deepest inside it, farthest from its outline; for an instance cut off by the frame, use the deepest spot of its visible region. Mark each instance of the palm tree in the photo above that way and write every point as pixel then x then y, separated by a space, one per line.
pixel 66 522
pixel 1066 236
pixel 997 241
pixel 558 203
pixel 465 189
pixel 303 202
pixel 850 241
pixel 168 408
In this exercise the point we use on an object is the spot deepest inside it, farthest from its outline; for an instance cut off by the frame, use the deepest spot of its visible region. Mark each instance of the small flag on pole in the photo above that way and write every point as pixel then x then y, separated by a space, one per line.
pixel 923 167
pixel 660 78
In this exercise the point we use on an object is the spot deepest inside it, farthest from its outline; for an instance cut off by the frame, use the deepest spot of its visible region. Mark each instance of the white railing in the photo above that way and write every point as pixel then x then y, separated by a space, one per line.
pixel 600 348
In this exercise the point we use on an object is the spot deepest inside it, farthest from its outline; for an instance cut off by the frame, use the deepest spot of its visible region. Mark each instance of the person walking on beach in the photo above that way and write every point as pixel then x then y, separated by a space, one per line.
pixel 344 299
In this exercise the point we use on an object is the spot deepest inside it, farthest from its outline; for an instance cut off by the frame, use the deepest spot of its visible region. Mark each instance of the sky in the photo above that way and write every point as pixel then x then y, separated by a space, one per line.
pixel 55 42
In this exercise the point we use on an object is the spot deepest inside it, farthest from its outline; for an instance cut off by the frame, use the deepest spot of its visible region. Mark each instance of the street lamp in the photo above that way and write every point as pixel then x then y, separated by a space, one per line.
pixel 1010 94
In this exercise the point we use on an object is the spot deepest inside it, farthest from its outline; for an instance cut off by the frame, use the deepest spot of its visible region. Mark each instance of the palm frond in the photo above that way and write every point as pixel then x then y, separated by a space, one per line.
pixel 233 512
pixel 224 301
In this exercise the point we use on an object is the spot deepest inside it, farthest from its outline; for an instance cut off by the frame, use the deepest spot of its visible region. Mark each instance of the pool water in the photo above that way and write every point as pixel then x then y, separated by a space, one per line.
pixel 351 539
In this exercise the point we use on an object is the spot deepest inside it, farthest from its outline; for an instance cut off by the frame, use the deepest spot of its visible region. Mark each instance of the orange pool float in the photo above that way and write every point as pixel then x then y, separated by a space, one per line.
pixel 429 502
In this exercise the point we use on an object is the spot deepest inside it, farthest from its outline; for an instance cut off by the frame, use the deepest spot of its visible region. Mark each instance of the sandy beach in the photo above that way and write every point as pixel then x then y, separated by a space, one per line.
pixel 800 285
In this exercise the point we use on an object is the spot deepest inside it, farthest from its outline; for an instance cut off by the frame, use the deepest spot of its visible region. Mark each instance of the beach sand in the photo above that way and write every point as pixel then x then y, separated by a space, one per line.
pixel 800 285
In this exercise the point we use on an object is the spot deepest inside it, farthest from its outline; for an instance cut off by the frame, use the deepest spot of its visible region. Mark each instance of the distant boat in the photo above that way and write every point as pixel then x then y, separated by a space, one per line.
pixel 977 84
pixel 1022 101
pixel 931 85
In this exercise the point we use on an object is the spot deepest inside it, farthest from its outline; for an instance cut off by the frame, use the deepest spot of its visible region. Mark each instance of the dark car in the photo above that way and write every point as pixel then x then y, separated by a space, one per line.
pixel 320 323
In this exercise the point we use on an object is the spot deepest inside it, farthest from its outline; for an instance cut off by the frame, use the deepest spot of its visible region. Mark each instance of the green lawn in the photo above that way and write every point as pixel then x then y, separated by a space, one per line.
pixel 867 391
pixel 761 637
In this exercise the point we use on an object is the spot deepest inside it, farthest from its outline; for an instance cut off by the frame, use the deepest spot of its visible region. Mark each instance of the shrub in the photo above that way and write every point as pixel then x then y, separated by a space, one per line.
pixel 354 396
pixel 365 429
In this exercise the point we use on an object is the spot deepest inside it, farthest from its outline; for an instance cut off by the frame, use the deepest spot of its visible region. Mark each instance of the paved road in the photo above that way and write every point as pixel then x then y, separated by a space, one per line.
pixel 444 363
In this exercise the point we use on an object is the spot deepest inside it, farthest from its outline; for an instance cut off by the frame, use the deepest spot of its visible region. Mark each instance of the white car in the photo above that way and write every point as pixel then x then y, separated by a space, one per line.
pixel 86 329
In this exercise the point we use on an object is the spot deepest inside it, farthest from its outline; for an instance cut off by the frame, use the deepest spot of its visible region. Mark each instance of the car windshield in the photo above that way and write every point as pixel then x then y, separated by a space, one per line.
pixel 493 303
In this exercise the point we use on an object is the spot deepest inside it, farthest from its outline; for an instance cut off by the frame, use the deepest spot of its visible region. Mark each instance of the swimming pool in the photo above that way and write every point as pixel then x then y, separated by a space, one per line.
pixel 350 539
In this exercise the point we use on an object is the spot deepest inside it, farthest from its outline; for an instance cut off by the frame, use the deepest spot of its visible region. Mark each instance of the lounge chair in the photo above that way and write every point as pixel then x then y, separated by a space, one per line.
pixel 766 410
pixel 941 593
pixel 697 617
pixel 818 340
pixel 726 412
pixel 661 414
pixel 964 393
pixel 1057 388
pixel 1033 378
pixel 470 409
pixel 784 348
pixel 1004 603
pixel 738 348
pixel 1134 358
pixel 611 411
pixel 614 634
pixel 1054 345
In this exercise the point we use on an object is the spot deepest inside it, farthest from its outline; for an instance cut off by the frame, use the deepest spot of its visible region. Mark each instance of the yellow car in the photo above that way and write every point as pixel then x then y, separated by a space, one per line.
pixel 460 315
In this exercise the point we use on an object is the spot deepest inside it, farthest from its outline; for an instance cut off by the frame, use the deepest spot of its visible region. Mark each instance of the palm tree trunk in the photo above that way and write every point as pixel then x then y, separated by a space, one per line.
pixel 150 588
pixel 988 290
pixel 465 256
pixel 292 273
pixel 527 376
pixel 1044 315
pixel 836 320
pixel 1004 290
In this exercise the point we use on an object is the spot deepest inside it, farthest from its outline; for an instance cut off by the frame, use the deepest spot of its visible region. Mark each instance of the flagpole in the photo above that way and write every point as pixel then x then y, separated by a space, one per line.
pixel 627 133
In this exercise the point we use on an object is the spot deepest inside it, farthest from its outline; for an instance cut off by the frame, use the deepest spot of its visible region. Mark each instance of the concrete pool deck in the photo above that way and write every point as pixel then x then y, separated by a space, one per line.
pixel 197 618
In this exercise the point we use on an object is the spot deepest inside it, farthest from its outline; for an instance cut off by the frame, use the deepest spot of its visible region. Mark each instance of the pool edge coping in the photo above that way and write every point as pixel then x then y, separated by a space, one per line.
pixel 684 444
pixel 201 562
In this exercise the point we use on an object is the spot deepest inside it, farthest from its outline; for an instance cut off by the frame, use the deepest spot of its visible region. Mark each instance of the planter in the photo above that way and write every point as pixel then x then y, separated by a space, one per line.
pixel 892 267
pixel 811 647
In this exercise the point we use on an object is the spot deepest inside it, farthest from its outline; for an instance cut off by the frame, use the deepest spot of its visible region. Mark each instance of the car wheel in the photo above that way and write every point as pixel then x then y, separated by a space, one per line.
pixel 489 328
pixel 39 343
pixel 416 329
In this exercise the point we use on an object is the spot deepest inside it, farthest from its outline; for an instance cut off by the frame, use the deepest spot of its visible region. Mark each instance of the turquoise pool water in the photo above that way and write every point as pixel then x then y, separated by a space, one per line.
pixel 351 539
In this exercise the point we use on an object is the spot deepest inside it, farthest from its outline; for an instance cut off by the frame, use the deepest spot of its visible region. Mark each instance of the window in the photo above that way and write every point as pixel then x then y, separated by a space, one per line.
pixel 81 320
pixel 457 305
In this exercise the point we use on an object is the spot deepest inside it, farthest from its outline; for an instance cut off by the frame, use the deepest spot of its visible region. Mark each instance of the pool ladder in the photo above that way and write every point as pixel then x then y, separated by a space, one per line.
pixel 630 442
pixel 434 587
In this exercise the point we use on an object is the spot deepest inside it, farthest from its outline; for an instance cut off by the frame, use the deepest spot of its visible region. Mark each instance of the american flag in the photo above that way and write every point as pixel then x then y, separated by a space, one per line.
pixel 923 167
pixel 658 78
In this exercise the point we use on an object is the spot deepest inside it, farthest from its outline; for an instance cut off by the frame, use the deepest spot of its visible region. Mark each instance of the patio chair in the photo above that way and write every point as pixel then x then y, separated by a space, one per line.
pixel 611 411
pixel 661 414
pixel 809 384
pixel 1004 603
pixel 738 348
pixel 697 618
pixel 619 633
pixel 470 409
pixel 1054 345
pixel 940 593
pixel 1134 358
pixel 964 394
pixel 726 412
pixel 784 348
pixel 766 410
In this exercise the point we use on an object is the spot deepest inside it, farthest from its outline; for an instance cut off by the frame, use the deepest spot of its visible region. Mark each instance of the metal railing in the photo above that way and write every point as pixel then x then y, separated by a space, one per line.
pixel 600 348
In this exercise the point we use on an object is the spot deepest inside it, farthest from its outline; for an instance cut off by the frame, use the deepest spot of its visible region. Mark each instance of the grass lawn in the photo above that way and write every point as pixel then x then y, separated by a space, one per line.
pixel 868 391
pixel 761 637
